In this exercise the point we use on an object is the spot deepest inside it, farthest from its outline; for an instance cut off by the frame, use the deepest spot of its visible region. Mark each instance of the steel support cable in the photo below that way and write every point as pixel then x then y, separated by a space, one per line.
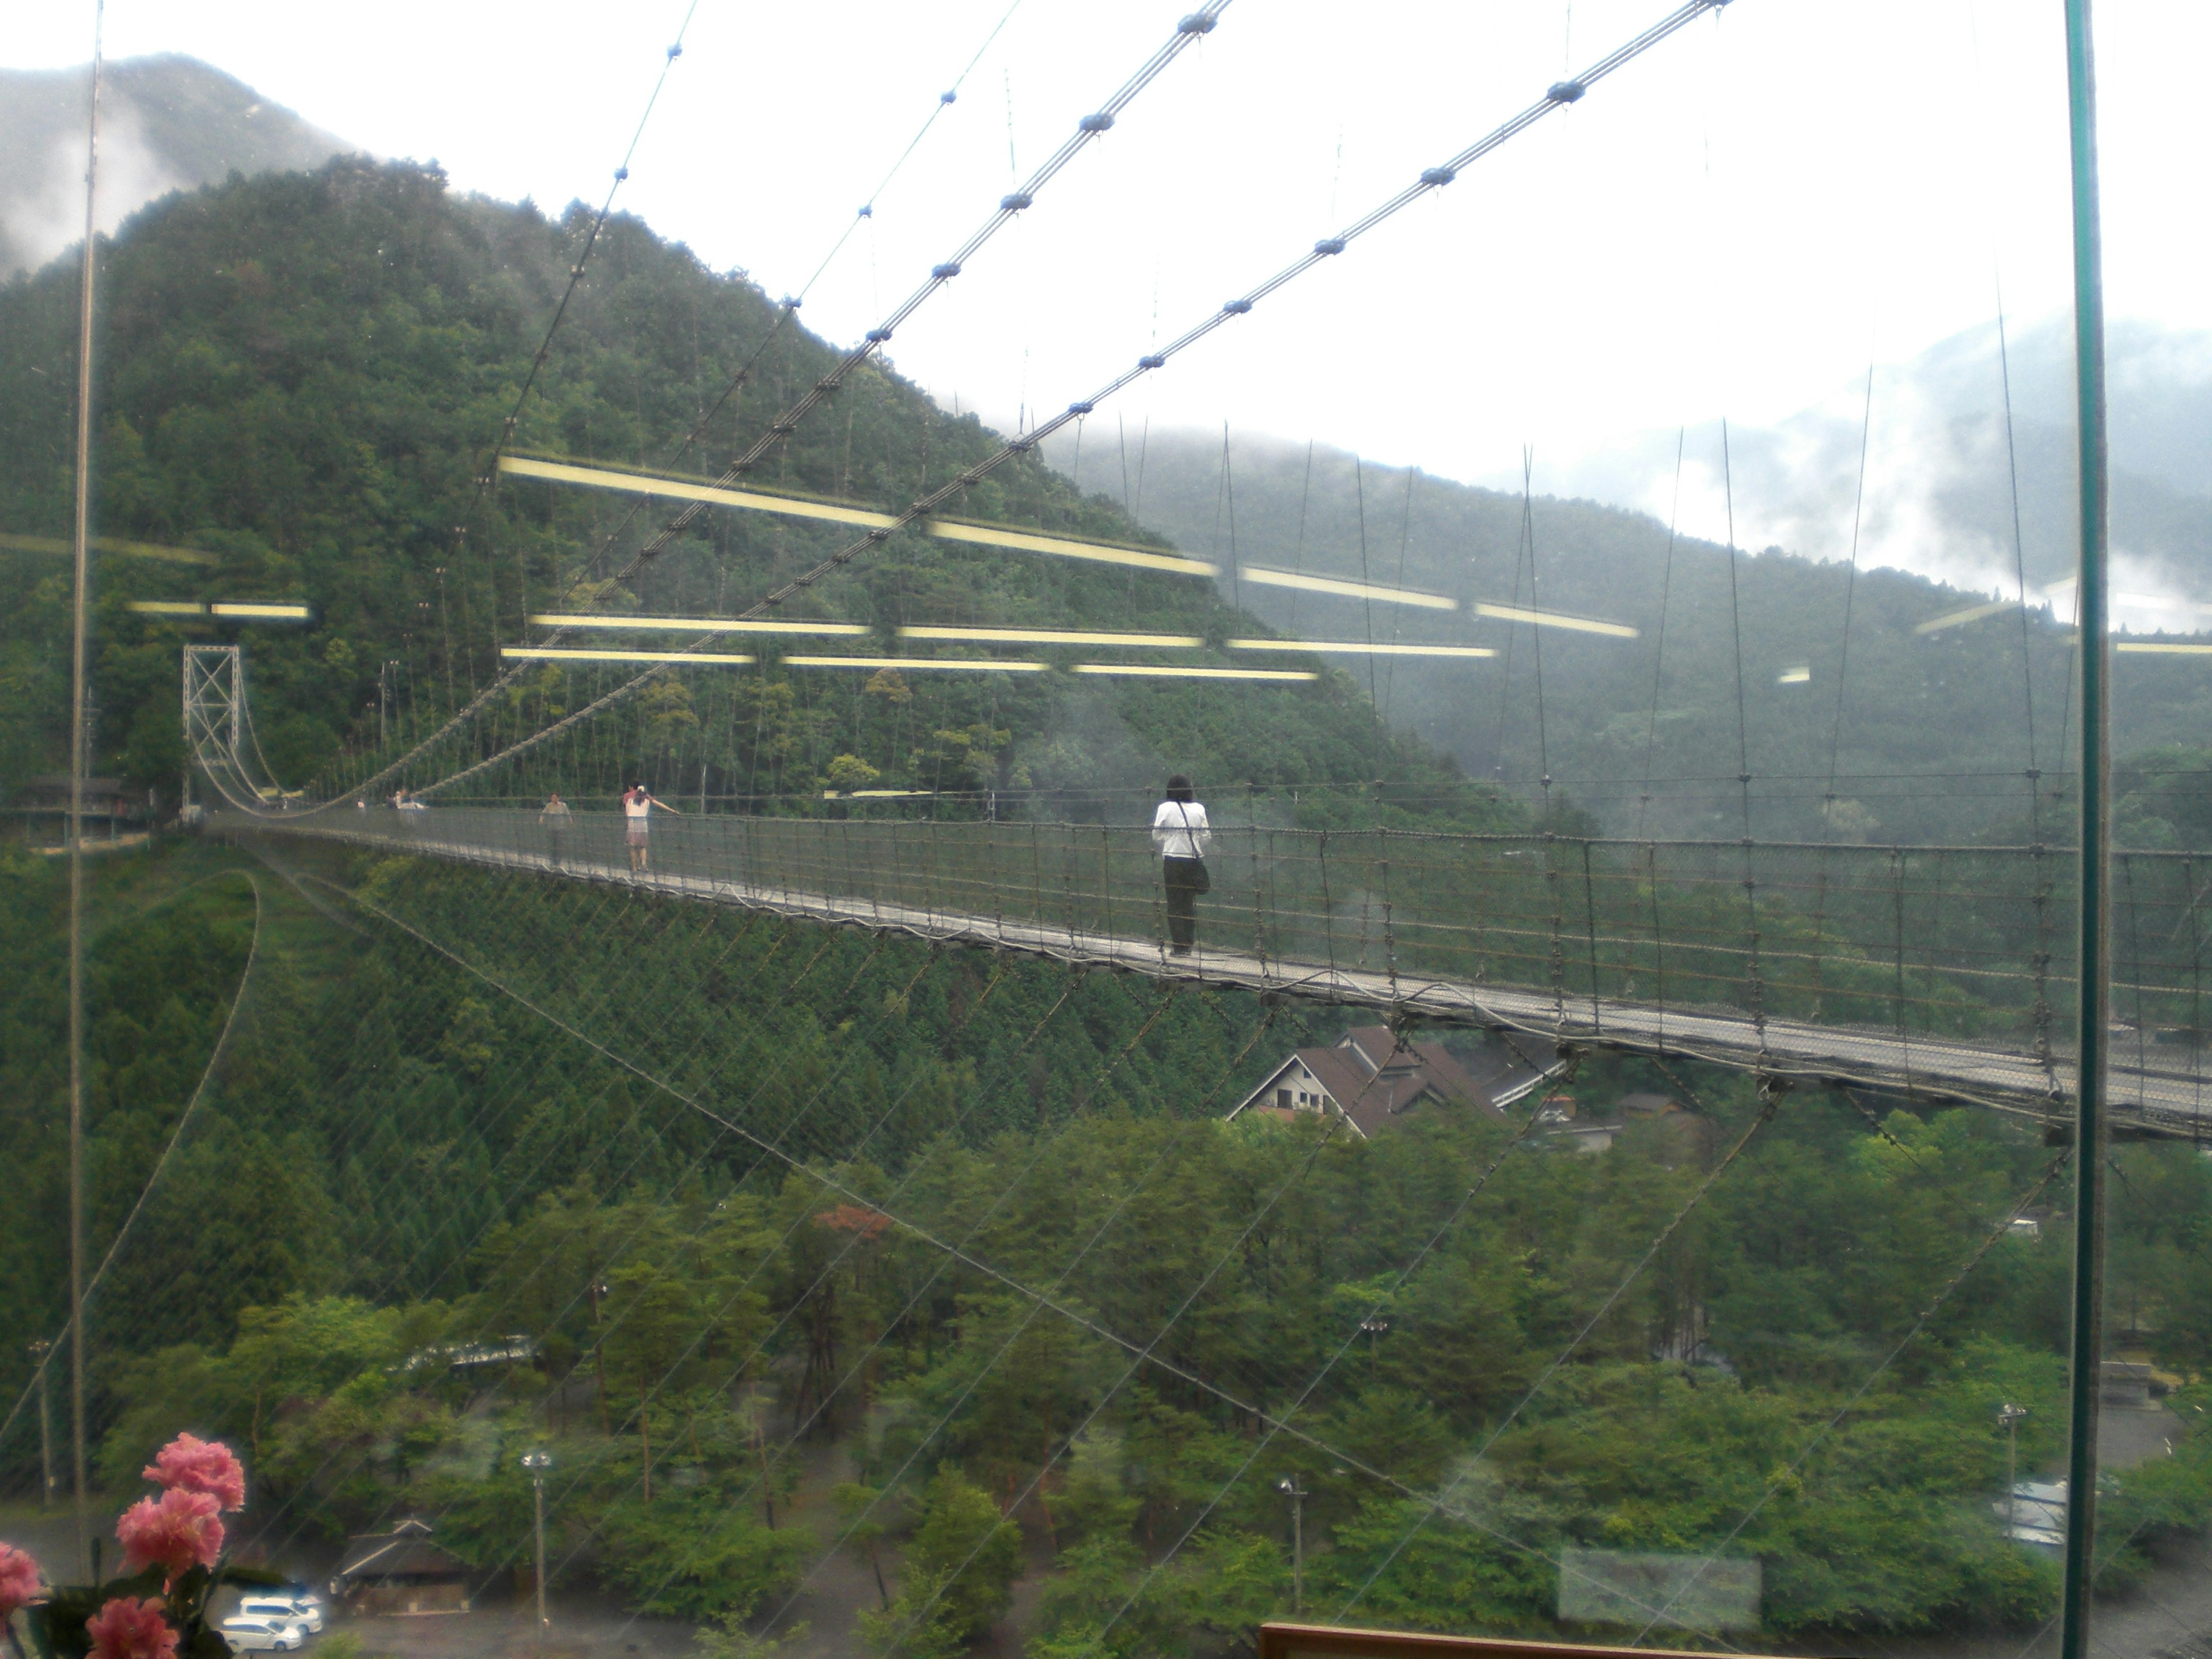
pixel 1844 650
pixel 956 1253
pixel 1788 1473
pixel 397 1273
pixel 487 468
pixel 744 374
pixel 614 1246
pixel 628 1122
pixel 1743 751
pixel 486 473
pixel 1194 26
pixel 1433 179
pixel 1659 651
pixel 1397 1283
pixel 476 1122
pixel 161 1164
pixel 1005 1193
pixel 1769 1100
pixel 1141 1357
pixel 618 1246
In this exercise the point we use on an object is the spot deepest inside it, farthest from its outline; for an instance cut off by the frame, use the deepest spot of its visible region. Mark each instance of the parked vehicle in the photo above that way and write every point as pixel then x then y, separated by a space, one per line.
pixel 305 1612
pixel 251 1635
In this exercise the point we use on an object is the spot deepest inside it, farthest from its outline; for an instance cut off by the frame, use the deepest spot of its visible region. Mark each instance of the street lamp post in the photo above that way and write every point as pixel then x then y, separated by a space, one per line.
pixel 2009 1418
pixel 1288 1486
pixel 1372 1328
pixel 537 1462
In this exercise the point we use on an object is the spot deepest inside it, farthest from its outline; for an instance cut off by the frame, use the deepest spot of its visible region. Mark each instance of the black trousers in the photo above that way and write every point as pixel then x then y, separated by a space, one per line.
pixel 1184 879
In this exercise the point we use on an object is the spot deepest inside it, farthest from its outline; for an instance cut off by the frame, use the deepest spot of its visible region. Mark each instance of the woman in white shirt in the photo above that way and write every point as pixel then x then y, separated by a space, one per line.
pixel 638 802
pixel 1181 833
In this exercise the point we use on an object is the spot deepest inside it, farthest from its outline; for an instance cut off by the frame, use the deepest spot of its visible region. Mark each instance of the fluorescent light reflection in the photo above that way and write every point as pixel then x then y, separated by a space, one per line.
pixel 698 624
pixel 1053 636
pixel 959 530
pixel 1553 619
pixel 56 544
pixel 1360 648
pixel 1965 614
pixel 646 483
pixel 1344 590
pixel 259 613
pixel 1801 674
pixel 971 664
pixel 2163 648
pixel 1162 672
pixel 799 507
pixel 878 794
pixel 167 608
pixel 561 653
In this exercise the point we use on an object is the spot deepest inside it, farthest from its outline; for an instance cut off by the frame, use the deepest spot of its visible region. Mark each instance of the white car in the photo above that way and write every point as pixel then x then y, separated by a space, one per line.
pixel 279 1608
pixel 252 1635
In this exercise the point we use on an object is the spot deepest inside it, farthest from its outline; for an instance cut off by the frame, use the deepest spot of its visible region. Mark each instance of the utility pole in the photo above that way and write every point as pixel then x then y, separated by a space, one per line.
pixel 1288 1486
pixel 39 1349
pixel 80 618
pixel 537 1462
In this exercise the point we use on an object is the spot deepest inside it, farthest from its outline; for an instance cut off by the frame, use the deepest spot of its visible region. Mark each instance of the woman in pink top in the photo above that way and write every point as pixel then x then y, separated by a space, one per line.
pixel 638 802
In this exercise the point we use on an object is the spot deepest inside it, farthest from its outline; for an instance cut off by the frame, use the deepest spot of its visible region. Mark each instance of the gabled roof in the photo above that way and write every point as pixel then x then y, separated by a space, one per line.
pixel 1372 1076
pixel 405 1551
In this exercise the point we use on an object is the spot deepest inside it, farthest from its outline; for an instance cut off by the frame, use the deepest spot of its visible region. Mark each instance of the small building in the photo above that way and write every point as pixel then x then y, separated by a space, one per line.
pixel 400 1572
pixel 1371 1078
pixel 40 805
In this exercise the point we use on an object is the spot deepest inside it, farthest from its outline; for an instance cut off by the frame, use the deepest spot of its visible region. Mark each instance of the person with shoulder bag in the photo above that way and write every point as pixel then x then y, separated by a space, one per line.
pixel 1181 835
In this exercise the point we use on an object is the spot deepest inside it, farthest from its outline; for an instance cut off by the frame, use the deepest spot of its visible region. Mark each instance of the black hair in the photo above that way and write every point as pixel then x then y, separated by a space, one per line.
pixel 1179 787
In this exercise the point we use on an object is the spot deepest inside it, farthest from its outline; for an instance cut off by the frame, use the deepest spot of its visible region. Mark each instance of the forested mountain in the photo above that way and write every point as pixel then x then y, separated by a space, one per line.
pixel 299 374
pixel 1898 717
pixel 167 123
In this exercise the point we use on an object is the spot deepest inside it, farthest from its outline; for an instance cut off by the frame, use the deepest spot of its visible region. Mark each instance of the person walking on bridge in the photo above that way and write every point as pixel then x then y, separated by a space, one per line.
pixel 1181 833
pixel 555 818
pixel 638 802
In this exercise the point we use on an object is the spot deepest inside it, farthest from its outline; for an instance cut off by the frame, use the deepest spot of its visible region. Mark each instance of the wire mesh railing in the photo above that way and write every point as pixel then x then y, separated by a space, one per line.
pixel 1928 944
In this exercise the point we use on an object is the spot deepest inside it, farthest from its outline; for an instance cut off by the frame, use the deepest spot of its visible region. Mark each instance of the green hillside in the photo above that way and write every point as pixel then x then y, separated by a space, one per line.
pixel 1916 711
pixel 300 375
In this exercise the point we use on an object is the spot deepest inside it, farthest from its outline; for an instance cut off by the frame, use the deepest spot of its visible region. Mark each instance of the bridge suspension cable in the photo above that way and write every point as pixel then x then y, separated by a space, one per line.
pixel 1559 95
pixel 1195 26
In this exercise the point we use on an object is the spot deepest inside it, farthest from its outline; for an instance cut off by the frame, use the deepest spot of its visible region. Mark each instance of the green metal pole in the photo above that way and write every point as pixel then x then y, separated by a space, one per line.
pixel 2090 1129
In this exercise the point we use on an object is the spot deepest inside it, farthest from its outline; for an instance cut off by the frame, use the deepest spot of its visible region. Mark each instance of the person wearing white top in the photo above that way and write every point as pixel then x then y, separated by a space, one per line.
pixel 555 817
pixel 1181 835
pixel 638 802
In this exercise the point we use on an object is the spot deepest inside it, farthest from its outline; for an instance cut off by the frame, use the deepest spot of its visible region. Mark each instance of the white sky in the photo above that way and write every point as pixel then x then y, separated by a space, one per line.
pixel 1720 228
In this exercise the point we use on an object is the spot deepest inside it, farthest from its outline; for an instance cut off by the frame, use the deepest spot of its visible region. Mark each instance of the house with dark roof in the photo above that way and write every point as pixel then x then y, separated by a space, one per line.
pixel 1372 1077
pixel 400 1572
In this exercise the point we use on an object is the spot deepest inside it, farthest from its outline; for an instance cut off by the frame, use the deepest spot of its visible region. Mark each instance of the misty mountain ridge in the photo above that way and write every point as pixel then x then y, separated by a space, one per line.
pixel 1938 492
pixel 167 123
pixel 1928 735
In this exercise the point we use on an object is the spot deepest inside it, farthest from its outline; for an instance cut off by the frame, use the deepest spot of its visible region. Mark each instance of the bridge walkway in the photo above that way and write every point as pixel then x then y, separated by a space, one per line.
pixel 808 869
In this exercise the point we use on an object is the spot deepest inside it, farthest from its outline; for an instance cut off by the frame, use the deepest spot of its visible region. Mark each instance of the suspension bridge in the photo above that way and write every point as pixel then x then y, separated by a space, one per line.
pixel 1934 971
pixel 1925 972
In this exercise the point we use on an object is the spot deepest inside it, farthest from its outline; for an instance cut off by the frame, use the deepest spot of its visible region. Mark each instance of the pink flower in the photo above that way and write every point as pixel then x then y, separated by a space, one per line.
pixel 125 1629
pixel 178 1532
pixel 189 1463
pixel 19 1581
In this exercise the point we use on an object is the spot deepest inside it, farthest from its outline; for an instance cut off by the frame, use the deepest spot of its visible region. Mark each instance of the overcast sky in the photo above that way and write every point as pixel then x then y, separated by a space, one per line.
pixel 1724 227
